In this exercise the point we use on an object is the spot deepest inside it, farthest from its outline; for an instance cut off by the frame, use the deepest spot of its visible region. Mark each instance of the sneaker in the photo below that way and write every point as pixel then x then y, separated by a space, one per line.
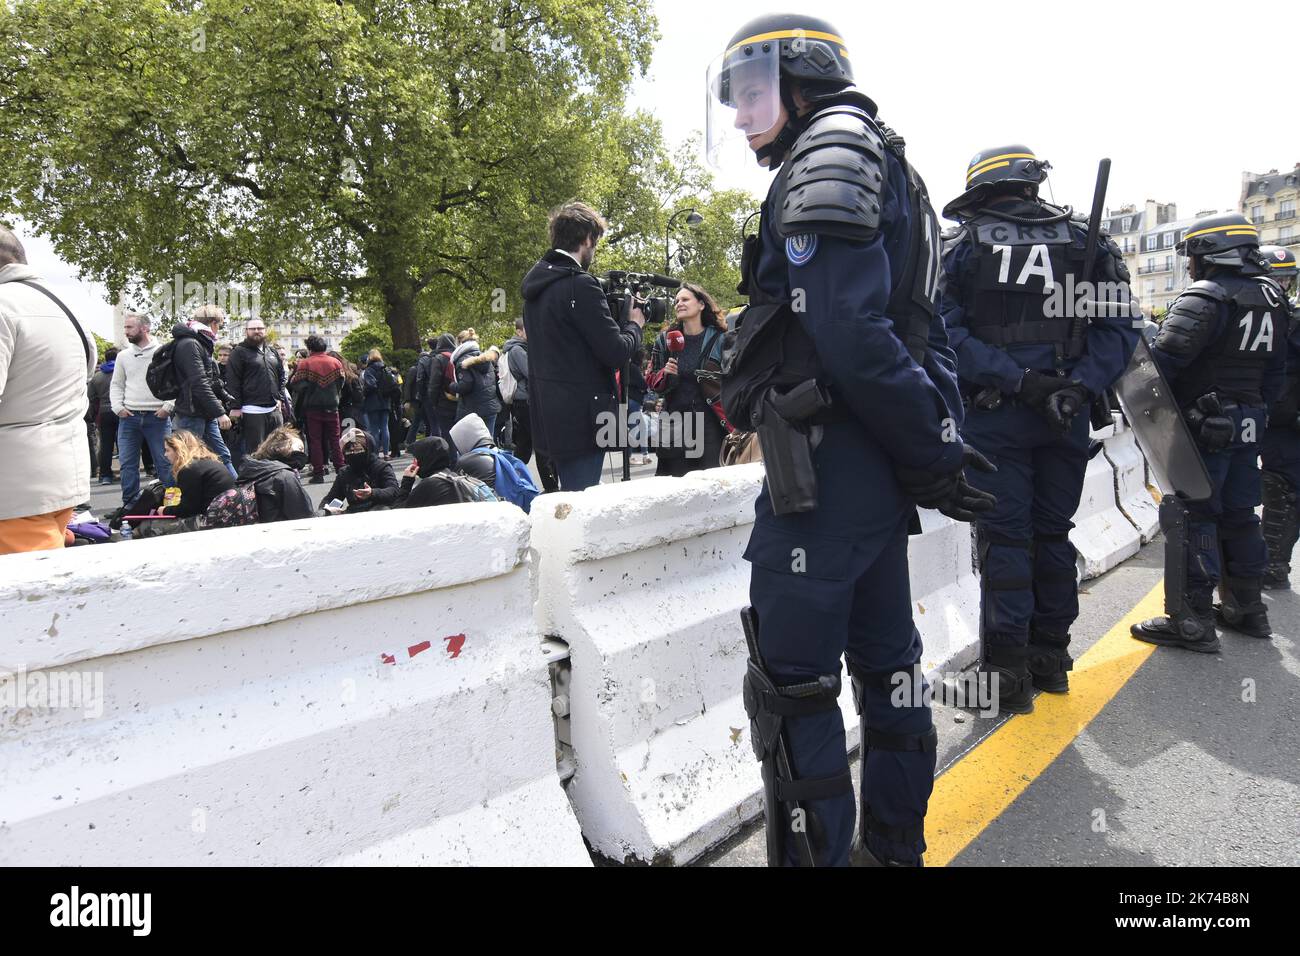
pixel 316 480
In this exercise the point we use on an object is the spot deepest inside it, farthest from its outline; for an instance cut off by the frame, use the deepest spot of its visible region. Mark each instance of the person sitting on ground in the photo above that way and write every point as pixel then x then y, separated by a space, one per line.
pixel 366 483
pixel 469 434
pixel 272 470
pixel 200 474
pixel 430 480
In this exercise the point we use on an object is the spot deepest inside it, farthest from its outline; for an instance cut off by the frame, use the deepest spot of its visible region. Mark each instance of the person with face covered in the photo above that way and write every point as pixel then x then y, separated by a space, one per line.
pixel 366 482
pixel 428 480
pixel 272 470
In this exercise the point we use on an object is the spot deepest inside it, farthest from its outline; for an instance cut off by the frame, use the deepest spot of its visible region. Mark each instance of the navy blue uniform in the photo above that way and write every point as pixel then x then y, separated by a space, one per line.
pixel 994 291
pixel 1226 525
pixel 1280 458
pixel 833 581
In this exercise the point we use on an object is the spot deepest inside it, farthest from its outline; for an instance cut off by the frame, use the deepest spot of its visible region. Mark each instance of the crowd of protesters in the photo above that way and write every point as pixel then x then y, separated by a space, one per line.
pixel 244 425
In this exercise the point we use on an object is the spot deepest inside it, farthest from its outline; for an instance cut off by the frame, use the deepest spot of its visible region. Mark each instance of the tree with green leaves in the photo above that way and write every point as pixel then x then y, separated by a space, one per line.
pixel 394 153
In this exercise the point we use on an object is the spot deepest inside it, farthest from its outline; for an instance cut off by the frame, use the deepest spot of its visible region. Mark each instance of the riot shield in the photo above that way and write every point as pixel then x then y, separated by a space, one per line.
pixel 1158 425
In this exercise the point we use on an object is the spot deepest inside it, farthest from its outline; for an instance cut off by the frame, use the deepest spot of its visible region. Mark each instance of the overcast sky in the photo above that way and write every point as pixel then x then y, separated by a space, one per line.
pixel 1181 108
pixel 1073 81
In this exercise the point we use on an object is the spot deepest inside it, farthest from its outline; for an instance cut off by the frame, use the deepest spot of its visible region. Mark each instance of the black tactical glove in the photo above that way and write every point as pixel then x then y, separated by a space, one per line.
pixel 949 492
pixel 1215 431
pixel 1036 388
pixel 1064 404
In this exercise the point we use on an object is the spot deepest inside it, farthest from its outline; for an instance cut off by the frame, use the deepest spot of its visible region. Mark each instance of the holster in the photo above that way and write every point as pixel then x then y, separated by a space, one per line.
pixel 788 439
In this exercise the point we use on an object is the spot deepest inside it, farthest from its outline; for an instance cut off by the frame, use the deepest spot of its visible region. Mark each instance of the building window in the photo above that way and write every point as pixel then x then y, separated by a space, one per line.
pixel 1126 224
pixel 1257 213
pixel 1167 240
pixel 1288 209
pixel 1169 284
pixel 1286 235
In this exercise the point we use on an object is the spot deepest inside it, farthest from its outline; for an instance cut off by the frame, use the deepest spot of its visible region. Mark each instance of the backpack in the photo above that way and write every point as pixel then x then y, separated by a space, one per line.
pixel 385 384
pixel 469 488
pixel 448 375
pixel 160 376
pixel 506 378
pixel 514 483
pixel 233 508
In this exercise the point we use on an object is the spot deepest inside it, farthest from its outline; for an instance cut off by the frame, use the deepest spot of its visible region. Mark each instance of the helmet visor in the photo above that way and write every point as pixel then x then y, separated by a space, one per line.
pixel 743 101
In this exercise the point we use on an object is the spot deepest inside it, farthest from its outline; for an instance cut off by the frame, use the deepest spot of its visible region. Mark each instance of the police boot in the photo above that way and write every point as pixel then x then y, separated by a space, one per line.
pixel 1004 680
pixel 861 856
pixel 1276 578
pixel 1242 609
pixel 1049 662
pixel 1190 627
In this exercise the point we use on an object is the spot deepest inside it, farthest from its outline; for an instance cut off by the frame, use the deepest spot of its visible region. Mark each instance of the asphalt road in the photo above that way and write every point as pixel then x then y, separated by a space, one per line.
pixel 1195 760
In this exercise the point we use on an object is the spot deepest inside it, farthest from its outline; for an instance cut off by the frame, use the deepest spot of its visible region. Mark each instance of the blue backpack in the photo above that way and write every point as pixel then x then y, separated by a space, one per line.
pixel 513 481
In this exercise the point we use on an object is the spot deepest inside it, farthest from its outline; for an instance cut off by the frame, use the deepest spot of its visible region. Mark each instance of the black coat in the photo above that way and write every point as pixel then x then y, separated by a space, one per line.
pixel 203 393
pixel 280 494
pixel 476 384
pixel 377 473
pixel 254 375
pixel 574 347
pixel 199 482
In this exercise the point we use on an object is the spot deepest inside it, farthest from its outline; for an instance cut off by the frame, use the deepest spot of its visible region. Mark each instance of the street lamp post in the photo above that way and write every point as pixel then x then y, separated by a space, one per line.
pixel 693 219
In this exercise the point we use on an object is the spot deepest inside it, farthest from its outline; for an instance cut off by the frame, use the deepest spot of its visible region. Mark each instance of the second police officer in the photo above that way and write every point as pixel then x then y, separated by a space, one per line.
pixel 842 366
pixel 1280 452
pixel 1222 345
pixel 1030 361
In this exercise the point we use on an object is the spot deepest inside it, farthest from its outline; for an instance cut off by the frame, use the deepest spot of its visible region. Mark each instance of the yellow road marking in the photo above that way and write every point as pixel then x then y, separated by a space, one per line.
pixel 983 783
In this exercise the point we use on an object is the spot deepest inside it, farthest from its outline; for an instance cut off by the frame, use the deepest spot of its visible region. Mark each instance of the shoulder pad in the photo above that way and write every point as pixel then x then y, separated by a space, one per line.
pixel 1208 289
pixel 834 178
pixel 1186 329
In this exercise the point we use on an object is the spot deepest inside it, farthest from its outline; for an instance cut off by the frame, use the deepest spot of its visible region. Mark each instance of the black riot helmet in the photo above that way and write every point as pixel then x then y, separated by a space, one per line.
pixel 1224 239
pixel 1281 264
pixel 749 81
pixel 998 170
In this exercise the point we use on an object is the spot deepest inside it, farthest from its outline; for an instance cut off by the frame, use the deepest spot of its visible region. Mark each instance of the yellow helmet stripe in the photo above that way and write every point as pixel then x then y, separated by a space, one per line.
pixel 1234 229
pixel 788 35
pixel 986 169
pixel 1283 265
pixel 994 162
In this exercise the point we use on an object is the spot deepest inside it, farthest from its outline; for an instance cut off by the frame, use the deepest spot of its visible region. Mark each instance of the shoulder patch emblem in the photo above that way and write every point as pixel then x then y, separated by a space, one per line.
pixel 801 248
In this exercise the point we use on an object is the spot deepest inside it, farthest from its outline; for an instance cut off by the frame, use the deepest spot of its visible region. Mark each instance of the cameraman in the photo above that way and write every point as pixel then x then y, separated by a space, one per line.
pixel 575 347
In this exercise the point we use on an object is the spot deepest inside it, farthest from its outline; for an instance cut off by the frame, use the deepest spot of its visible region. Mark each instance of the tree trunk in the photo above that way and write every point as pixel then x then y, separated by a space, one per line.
pixel 399 313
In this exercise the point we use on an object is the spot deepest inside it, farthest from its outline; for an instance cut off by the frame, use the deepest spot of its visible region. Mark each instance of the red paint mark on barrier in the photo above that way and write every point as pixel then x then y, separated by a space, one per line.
pixel 387 659
pixel 416 648
pixel 454 644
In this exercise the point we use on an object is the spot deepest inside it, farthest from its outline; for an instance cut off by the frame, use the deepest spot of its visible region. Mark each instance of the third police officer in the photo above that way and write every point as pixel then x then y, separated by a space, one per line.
pixel 842 367
pixel 1036 345
pixel 1222 346
pixel 1280 453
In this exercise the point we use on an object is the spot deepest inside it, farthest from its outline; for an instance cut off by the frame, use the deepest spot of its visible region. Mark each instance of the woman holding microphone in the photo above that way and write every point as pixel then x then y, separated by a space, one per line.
pixel 689 423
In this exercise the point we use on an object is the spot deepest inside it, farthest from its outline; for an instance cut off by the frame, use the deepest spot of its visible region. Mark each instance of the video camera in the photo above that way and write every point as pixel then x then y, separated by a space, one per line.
pixel 622 289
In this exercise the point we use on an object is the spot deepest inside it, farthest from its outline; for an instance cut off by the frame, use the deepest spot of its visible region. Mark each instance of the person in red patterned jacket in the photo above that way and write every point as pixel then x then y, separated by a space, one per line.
pixel 315 385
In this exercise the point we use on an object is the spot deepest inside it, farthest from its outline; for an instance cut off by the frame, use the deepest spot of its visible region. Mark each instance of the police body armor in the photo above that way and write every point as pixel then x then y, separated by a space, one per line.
pixel 1017 263
pixel 772 380
pixel 1234 365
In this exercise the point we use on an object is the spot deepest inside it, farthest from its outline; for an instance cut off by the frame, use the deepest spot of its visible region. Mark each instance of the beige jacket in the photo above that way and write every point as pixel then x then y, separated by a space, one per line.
pixel 44 461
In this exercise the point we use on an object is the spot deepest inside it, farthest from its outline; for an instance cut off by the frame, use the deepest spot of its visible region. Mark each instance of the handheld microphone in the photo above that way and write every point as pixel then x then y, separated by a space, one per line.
pixel 676 340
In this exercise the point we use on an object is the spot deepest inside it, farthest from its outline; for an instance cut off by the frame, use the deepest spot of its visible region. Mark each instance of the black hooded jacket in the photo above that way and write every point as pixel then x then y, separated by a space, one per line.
pixel 440 376
pixel 435 484
pixel 574 348
pixel 376 473
pixel 203 392
pixel 280 494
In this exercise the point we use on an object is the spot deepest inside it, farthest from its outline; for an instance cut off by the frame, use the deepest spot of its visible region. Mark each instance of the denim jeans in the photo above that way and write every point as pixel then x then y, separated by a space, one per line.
pixel 210 432
pixel 377 425
pixel 131 432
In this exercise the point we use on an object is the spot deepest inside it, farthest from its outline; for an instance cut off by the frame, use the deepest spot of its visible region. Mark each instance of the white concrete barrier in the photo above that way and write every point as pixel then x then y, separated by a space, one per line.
pixel 645 581
pixel 1102 534
pixel 343 690
pixel 1135 500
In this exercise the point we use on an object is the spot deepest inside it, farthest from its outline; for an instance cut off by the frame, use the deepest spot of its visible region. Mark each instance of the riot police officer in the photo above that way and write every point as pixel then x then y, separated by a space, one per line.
pixel 842 367
pixel 1036 345
pixel 1280 452
pixel 1222 347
